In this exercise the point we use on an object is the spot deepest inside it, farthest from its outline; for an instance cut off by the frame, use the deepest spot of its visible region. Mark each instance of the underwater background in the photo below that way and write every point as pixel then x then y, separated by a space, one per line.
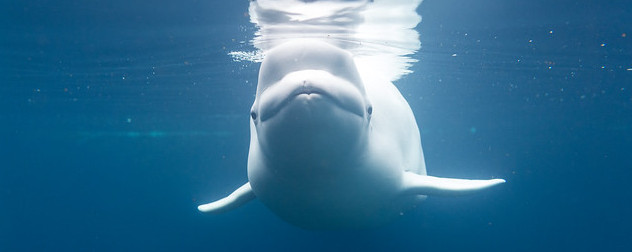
pixel 117 118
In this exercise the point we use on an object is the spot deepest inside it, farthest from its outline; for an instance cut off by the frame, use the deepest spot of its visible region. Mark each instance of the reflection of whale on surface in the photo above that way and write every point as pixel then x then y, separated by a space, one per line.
pixel 330 148
pixel 379 34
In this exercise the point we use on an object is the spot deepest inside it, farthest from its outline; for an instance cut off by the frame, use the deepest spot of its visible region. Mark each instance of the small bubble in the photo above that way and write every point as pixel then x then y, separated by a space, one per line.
pixel 603 44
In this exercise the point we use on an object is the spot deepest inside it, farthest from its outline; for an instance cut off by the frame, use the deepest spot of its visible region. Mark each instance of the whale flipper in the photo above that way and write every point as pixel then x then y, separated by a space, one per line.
pixel 428 185
pixel 236 199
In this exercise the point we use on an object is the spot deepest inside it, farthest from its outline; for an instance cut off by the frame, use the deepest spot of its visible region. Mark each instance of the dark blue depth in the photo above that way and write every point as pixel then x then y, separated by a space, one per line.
pixel 117 118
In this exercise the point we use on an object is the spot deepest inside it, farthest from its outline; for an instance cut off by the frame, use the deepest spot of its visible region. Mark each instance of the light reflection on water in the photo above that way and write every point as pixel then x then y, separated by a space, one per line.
pixel 380 34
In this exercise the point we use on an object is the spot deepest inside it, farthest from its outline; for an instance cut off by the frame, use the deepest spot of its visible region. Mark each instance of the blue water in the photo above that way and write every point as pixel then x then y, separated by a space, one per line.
pixel 117 118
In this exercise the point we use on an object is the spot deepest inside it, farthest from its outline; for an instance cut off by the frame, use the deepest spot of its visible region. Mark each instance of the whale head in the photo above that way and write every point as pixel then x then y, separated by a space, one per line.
pixel 310 104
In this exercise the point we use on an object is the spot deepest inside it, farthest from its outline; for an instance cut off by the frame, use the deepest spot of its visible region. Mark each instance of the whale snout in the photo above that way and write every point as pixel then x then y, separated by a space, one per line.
pixel 308 88
pixel 311 114
pixel 312 90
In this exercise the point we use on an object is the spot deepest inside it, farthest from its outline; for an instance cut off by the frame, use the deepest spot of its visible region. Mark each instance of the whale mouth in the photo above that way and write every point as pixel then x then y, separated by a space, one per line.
pixel 311 88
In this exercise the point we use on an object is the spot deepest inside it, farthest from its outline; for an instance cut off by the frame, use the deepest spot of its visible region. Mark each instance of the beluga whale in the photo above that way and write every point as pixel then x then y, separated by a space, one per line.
pixel 332 146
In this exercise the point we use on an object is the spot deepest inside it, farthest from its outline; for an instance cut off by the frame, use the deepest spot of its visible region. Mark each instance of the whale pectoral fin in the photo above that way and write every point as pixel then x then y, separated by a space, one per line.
pixel 428 185
pixel 236 199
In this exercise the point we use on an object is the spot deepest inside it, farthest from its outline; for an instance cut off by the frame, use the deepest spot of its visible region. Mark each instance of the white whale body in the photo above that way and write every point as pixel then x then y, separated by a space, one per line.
pixel 331 148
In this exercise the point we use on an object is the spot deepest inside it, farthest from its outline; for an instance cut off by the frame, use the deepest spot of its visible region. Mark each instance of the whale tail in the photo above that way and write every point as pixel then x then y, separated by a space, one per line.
pixel 415 184
pixel 236 199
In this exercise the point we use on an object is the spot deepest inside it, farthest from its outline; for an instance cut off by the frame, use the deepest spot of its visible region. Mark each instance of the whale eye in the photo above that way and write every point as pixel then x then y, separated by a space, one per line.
pixel 369 110
pixel 253 115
